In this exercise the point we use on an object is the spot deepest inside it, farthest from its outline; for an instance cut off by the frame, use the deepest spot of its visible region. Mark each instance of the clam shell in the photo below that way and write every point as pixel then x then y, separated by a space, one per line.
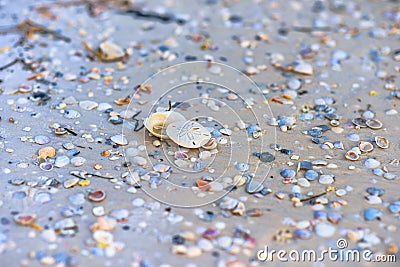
pixel 119 139
pixel 97 196
pixel 361 122
pixel 47 152
pixel 188 134
pixel 60 131
pixel 158 122
pixel 381 142
pixel 374 124
pixel 365 146
pixel 352 155
pixel 25 218
pixel 46 166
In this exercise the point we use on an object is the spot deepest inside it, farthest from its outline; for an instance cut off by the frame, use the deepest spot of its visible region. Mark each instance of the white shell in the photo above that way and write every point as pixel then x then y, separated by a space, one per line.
pixel 119 139
pixel 88 105
pixel 188 134
pixel 157 122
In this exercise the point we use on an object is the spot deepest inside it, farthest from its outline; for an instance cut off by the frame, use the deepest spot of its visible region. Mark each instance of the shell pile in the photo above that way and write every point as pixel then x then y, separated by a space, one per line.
pixel 173 125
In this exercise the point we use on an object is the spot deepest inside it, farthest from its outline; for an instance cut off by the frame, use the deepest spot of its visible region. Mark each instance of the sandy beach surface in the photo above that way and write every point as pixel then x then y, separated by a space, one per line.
pixel 298 101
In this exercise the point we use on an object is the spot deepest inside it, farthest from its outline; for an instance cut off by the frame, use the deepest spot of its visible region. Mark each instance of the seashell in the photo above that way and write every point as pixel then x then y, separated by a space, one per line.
pixel 228 203
pixel 240 209
pixel 374 124
pixel 352 155
pixel 88 104
pixel 42 139
pixel 256 212
pixel 103 238
pixel 372 163
pixel 211 144
pixel 24 88
pixel 394 207
pixel 325 230
pixel 202 185
pixel 302 234
pixel 381 142
pixel 104 223
pixel 254 187
pixel 43 197
pixel 338 145
pixel 60 131
pixel 311 175
pixel 110 52
pixel 158 122
pixel 71 182
pixel 360 122
pixel 365 146
pixel 326 179
pixel 161 167
pixel 371 214
pixel 78 161
pixel 123 101
pixel 288 173
pixel 303 67
pixel 46 166
pixel 71 114
pixel 61 161
pixel 47 152
pixel 119 139
pixel 66 227
pixel 334 217
pixel 334 123
pixel 25 218
pixel 97 196
pixel 17 181
pixel 181 155
pixel 375 191
pixel 188 134
pixel 104 106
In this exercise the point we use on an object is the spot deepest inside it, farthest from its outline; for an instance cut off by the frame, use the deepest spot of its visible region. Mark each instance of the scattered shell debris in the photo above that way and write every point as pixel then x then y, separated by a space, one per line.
pixel 87 137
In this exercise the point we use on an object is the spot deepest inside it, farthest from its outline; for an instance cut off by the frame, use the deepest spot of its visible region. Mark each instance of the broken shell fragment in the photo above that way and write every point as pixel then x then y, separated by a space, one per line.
pixel 381 142
pixel 123 101
pixel 374 124
pixel 211 144
pixel 365 146
pixel 352 155
pixel 110 52
pixel 158 122
pixel 188 134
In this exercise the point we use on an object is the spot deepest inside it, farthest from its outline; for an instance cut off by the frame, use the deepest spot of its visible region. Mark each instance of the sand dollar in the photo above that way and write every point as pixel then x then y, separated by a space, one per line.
pixel 157 122
pixel 188 134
